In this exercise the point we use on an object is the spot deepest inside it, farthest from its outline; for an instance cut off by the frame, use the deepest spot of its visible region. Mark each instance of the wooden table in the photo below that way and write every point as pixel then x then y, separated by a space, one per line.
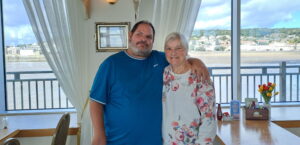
pixel 261 132
pixel 35 125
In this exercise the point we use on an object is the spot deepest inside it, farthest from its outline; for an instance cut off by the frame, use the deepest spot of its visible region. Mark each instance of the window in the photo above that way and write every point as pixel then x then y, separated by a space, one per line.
pixel 211 42
pixel 270 43
pixel 269 46
pixel 30 82
pixel 2 74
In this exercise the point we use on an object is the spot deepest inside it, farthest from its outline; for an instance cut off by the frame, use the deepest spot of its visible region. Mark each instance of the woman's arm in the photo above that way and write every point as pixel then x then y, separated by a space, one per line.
pixel 205 101
pixel 96 110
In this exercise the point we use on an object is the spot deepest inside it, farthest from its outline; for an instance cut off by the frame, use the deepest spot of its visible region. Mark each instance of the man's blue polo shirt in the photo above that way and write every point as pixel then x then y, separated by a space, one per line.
pixel 131 91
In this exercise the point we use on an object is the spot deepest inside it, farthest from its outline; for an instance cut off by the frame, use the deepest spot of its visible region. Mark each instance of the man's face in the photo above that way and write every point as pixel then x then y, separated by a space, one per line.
pixel 141 41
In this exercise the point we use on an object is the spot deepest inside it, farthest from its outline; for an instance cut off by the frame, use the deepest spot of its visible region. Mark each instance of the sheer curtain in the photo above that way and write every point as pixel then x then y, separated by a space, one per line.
pixel 64 52
pixel 173 15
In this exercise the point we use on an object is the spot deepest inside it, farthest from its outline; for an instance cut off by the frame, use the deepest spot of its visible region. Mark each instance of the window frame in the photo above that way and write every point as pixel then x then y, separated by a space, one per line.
pixel 2 66
pixel 3 84
pixel 235 50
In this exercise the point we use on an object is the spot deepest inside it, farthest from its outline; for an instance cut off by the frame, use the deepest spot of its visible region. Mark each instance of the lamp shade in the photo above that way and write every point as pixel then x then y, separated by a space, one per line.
pixel 112 1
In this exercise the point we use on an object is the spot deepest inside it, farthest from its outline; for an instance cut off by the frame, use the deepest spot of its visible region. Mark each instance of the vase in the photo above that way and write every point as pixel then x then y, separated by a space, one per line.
pixel 268 106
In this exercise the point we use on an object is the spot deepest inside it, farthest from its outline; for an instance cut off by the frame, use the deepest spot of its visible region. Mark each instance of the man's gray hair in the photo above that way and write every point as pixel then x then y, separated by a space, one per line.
pixel 178 36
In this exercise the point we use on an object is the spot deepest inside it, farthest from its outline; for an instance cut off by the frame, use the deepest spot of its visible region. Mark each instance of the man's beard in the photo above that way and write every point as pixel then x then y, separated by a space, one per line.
pixel 141 53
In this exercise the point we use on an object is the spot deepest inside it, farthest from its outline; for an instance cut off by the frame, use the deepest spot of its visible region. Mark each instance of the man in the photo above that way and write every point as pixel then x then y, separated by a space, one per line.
pixel 126 96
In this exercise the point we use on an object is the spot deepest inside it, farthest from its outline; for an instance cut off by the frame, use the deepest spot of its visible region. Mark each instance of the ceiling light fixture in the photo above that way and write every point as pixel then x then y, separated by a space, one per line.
pixel 112 1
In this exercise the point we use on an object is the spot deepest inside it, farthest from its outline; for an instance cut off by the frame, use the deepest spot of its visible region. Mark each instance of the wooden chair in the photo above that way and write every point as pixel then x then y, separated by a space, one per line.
pixel 11 141
pixel 61 132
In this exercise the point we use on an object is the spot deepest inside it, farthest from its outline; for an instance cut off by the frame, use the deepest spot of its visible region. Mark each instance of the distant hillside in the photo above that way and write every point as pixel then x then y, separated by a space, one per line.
pixel 254 32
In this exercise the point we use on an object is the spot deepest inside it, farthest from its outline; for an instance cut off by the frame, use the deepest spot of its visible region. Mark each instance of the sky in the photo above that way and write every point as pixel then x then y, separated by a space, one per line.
pixel 17 28
pixel 216 14
pixel 213 14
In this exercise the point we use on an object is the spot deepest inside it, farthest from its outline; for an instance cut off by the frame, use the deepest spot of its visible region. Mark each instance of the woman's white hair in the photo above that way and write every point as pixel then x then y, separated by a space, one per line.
pixel 178 36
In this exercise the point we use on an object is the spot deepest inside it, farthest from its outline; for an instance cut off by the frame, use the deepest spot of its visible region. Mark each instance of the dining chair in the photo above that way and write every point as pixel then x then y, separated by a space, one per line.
pixel 61 132
pixel 11 141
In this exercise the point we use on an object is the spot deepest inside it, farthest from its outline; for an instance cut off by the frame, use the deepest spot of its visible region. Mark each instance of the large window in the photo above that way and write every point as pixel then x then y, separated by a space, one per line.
pixel 269 47
pixel 211 42
pixel 30 82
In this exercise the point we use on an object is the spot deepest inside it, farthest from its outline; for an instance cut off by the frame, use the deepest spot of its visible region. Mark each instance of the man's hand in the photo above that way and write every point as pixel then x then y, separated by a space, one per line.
pixel 199 68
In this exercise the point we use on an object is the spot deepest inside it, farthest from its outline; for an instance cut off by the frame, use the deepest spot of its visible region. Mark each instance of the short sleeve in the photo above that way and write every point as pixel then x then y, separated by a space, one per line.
pixel 101 85
pixel 164 59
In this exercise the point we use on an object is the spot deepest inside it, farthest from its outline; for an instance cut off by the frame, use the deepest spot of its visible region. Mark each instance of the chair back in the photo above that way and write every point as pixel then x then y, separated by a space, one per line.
pixel 11 141
pixel 61 132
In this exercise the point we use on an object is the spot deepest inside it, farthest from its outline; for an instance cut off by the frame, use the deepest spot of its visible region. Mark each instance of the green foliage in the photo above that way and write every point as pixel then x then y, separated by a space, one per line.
pixel 294 40
pixel 220 48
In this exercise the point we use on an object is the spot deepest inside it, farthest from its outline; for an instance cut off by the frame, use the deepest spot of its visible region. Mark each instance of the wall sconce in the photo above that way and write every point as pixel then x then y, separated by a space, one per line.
pixel 112 1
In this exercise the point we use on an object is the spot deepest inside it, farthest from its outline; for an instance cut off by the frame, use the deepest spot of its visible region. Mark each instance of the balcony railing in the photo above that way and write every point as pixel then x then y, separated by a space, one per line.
pixel 32 90
pixel 285 76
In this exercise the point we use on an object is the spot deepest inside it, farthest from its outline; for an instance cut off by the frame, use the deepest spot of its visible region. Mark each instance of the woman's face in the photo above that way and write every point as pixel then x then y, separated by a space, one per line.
pixel 175 53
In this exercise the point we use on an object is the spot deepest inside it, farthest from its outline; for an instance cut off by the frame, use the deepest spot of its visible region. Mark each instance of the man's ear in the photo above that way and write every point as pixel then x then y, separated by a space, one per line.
pixel 129 36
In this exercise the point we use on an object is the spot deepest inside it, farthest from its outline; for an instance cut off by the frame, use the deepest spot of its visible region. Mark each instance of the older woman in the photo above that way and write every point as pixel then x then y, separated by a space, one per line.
pixel 188 104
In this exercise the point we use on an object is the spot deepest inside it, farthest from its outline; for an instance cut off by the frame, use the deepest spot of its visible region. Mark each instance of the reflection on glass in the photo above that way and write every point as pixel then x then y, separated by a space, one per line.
pixel 113 36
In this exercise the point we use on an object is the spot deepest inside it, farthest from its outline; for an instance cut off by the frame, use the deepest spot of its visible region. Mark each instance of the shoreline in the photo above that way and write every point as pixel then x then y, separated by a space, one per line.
pixel 224 58
pixel 212 57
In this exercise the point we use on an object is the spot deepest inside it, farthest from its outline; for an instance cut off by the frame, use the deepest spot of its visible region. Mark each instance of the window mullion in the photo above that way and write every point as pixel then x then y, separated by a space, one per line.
pixel 235 50
pixel 2 66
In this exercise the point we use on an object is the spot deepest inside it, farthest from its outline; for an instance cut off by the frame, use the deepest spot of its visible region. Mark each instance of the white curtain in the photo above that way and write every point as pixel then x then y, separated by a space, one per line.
pixel 173 16
pixel 60 43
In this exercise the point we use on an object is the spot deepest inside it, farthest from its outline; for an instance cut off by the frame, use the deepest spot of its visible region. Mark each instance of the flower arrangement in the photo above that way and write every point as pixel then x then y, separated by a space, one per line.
pixel 267 91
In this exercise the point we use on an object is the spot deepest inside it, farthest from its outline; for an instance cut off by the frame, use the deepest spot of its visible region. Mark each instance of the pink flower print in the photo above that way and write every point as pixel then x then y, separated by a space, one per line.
pixel 190 134
pixel 164 98
pixel 174 143
pixel 209 115
pixel 179 136
pixel 175 124
pixel 194 124
pixel 209 93
pixel 185 128
pixel 172 77
pixel 190 80
pixel 175 87
pixel 200 101
pixel 194 94
pixel 208 140
pixel 204 107
pixel 166 76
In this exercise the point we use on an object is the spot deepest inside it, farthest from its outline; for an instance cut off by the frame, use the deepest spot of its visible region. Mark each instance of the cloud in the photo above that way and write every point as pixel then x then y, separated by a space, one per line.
pixel 214 24
pixel 17 28
pixel 210 3
pixel 254 13
pixel 18 35
pixel 214 15
pixel 14 13
pixel 262 13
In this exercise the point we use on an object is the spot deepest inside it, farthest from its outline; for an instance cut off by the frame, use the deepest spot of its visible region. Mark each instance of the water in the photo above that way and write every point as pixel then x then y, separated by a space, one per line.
pixel 48 98
pixel 34 94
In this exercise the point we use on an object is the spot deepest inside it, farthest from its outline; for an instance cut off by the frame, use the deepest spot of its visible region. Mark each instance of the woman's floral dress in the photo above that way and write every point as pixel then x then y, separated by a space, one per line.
pixel 188 110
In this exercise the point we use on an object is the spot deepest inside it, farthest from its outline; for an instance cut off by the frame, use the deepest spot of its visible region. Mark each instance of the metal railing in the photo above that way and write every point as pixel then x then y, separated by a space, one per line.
pixel 286 78
pixel 33 90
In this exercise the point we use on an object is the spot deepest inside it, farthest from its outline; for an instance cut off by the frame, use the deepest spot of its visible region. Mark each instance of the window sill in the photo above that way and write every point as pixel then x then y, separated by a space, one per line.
pixel 35 112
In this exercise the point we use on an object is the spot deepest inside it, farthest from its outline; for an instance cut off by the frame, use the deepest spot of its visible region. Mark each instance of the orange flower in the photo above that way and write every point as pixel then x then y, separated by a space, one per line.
pixel 266 90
